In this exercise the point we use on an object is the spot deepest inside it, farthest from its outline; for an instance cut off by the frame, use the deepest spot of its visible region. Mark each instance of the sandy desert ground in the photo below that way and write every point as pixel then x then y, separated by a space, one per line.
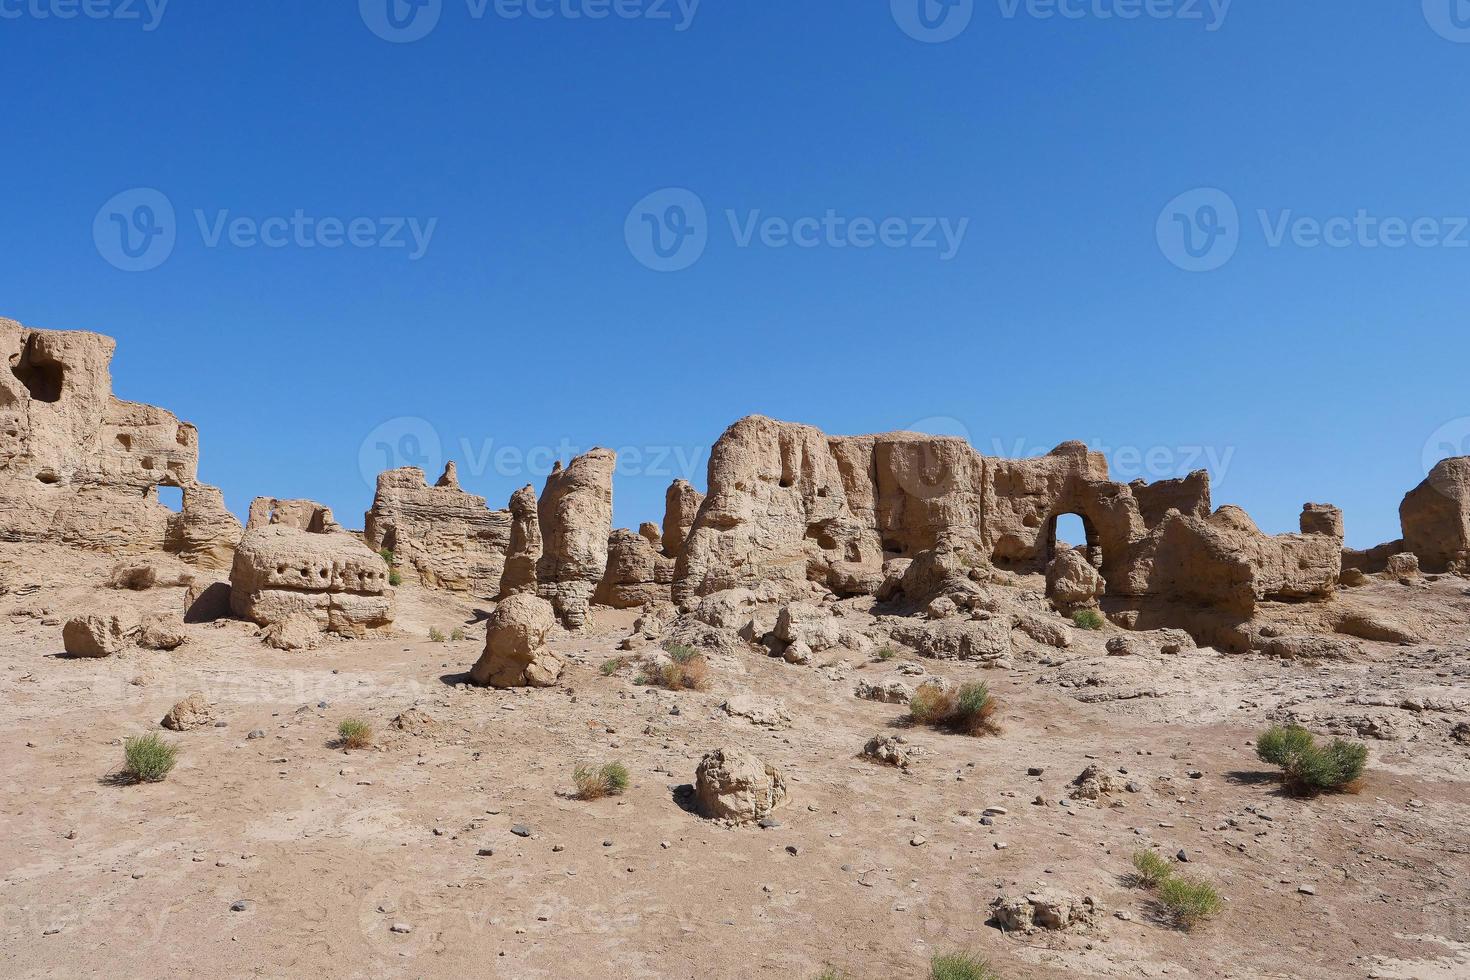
pixel 282 855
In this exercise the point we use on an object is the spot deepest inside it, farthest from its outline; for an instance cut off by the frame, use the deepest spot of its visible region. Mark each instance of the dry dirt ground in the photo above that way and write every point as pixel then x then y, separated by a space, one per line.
pixel 872 870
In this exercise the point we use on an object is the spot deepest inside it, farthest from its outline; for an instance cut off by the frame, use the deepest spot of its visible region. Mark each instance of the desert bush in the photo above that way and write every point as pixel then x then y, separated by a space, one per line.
pixel 1308 768
pixel 436 635
pixel 968 709
pixel 687 670
pixel 1151 868
pixel 886 652
pixel 832 973
pixel 960 966
pixel 594 784
pixel 391 560
pixel 1190 901
pixel 1088 619
pixel 458 635
pixel 354 733
pixel 148 758
pixel 612 666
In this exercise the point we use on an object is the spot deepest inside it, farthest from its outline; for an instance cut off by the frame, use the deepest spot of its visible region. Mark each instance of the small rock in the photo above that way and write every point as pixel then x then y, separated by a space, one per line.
pixel 769 823
pixel 256 733
pixel 521 830
pixel 1306 890
pixel 402 928
pixel 242 905
pixel 1183 855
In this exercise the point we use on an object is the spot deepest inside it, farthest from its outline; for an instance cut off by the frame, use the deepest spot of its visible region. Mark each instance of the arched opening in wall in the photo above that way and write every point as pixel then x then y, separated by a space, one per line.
pixel 1076 531
pixel 43 380
pixel 172 498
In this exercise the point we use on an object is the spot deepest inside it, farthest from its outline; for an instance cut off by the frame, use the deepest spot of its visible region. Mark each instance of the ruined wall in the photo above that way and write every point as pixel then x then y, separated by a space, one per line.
pixel 791 507
pixel 80 466
pixel 445 537
pixel 1436 517
pixel 575 517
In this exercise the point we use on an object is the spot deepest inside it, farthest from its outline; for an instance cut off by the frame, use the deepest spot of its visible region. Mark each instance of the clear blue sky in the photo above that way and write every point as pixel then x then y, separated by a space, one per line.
pixel 1305 373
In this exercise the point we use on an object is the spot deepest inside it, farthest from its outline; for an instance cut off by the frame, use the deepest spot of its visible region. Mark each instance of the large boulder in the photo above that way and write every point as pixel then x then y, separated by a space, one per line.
pixel 96 635
pixel 575 513
pixel 1072 582
pixel 516 654
pixel 162 631
pixel 280 571
pixel 737 787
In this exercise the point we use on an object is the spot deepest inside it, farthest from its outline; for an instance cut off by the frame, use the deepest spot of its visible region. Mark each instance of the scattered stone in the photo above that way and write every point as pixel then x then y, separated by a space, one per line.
pixel 190 713
pixel 737 787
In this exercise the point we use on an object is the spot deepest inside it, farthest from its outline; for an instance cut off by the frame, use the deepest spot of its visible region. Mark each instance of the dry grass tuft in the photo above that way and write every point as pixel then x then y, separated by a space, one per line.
pixel 968 709
pixel 354 733
pixel 593 784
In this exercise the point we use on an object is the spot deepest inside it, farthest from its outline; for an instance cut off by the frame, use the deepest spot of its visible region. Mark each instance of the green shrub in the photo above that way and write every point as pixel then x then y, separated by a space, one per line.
pixel 968 709
pixel 886 652
pixel 593 784
pixel 391 560
pixel 832 973
pixel 1088 619
pixel 1190 900
pixel 612 666
pixel 1151 868
pixel 1279 743
pixel 680 653
pixel 1308 768
pixel 436 635
pixel 960 966
pixel 354 733
pixel 458 635
pixel 148 758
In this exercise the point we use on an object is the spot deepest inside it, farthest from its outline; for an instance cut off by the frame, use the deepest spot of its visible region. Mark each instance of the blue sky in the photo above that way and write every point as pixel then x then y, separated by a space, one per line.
pixel 1064 154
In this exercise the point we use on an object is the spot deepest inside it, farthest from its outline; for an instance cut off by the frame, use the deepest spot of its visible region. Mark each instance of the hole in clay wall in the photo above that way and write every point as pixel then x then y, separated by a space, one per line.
pixel 172 498
pixel 1070 530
